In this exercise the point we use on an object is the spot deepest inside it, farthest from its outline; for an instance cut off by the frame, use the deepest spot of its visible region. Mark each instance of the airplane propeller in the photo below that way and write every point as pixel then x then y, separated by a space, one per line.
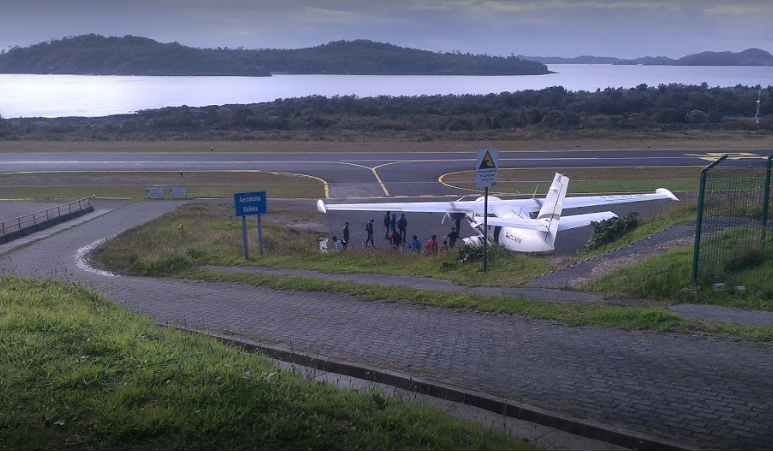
pixel 448 215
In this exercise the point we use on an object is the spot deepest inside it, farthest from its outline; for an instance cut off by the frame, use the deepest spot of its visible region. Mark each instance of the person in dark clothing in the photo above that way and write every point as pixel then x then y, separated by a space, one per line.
pixel 452 236
pixel 369 230
pixel 346 234
pixel 386 226
pixel 402 225
pixel 392 222
pixel 394 238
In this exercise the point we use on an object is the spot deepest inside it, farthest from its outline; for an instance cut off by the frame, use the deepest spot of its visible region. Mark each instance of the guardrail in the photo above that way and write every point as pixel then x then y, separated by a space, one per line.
pixel 45 218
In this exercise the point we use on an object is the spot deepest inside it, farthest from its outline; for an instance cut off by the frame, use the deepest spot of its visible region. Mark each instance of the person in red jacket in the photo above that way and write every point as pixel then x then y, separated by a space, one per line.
pixel 432 246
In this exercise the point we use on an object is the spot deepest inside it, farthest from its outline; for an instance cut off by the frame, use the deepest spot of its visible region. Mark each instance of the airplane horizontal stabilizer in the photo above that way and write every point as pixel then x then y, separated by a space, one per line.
pixel 520 223
pixel 578 221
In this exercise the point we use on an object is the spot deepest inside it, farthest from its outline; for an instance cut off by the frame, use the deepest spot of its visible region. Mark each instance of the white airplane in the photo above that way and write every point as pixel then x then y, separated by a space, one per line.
pixel 523 225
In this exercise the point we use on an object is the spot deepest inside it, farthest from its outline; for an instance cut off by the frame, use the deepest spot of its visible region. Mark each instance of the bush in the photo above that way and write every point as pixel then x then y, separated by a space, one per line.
pixel 607 231
pixel 697 117
pixel 468 253
pixel 554 118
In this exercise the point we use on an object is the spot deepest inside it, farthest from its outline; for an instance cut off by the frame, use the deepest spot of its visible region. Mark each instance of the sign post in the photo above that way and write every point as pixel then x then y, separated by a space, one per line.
pixel 486 170
pixel 251 203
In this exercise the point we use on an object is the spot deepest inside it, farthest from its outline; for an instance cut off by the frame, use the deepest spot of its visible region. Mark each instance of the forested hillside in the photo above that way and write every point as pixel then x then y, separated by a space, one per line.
pixel 374 58
pixel 130 55
pixel 494 116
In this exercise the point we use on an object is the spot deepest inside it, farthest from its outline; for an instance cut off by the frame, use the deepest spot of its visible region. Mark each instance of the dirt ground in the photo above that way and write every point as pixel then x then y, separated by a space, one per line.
pixel 696 140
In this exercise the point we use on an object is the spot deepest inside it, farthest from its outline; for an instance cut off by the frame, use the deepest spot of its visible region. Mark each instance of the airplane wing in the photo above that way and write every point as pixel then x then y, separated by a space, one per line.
pixel 503 209
pixel 467 207
pixel 588 201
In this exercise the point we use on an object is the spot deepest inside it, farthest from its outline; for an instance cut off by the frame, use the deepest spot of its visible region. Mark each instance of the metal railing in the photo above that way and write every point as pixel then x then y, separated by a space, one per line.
pixel 32 219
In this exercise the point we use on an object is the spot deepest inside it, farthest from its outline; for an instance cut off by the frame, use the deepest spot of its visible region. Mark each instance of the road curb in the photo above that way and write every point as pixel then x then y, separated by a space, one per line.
pixel 517 410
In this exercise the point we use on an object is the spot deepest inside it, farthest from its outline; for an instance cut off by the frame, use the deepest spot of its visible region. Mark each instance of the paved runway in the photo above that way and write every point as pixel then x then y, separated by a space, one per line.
pixel 692 391
pixel 365 173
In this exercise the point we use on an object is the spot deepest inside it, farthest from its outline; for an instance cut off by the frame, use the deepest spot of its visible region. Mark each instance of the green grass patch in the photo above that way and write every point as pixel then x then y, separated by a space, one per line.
pixel 505 187
pixel 667 277
pixel 679 213
pixel 77 371
pixel 133 185
pixel 212 237
pixel 588 180
pixel 575 314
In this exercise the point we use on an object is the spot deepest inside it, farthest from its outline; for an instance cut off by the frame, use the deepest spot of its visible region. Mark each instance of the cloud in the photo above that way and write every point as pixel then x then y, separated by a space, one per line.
pixel 624 28
pixel 740 9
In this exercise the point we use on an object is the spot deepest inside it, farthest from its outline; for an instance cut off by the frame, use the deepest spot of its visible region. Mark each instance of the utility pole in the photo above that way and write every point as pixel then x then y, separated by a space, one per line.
pixel 757 115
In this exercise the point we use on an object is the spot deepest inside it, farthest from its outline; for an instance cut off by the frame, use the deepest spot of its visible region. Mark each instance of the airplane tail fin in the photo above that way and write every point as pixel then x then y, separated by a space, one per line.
pixel 550 213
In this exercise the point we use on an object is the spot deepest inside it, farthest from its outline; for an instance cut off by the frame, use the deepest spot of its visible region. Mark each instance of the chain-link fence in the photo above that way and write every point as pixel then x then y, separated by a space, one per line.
pixel 733 243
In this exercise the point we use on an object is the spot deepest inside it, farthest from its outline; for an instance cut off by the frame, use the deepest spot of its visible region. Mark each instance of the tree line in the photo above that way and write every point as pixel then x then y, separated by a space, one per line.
pixel 131 55
pixel 670 107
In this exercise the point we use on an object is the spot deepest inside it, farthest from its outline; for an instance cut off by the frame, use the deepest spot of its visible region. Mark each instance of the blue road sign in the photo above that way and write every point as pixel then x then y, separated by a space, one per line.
pixel 250 203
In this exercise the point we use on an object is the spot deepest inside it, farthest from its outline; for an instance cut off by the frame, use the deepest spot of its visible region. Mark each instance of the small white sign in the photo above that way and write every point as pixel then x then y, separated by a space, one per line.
pixel 486 168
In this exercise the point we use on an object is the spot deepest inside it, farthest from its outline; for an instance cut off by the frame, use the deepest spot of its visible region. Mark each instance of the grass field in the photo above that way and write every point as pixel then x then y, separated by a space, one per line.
pixel 217 242
pixel 619 179
pixel 79 372
pixel 698 140
pixel 133 184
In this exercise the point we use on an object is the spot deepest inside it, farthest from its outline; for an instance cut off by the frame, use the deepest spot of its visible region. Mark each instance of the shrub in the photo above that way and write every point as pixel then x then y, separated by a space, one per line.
pixel 697 117
pixel 468 253
pixel 607 231
pixel 554 118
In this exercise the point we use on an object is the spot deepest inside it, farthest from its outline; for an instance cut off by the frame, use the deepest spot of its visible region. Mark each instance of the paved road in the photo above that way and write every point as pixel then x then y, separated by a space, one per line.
pixel 690 390
pixel 363 173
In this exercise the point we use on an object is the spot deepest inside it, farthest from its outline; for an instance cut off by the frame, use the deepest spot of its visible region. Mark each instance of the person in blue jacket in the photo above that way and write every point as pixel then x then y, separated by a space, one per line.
pixel 415 245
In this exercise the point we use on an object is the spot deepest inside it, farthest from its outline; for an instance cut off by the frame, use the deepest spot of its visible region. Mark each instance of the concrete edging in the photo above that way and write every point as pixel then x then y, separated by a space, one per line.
pixel 509 408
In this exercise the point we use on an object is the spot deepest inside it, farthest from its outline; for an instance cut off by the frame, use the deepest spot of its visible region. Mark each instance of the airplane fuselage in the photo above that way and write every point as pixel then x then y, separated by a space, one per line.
pixel 514 239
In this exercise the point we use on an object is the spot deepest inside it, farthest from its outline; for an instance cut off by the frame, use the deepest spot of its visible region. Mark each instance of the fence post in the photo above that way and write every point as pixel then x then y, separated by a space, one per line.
pixel 766 201
pixel 699 219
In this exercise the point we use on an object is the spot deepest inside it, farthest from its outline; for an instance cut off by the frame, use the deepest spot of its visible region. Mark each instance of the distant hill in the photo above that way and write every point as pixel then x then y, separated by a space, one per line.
pixel 749 57
pixel 365 57
pixel 131 55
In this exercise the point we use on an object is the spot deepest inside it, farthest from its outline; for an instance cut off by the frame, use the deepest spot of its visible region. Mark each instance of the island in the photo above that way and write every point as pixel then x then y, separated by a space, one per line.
pixel 131 55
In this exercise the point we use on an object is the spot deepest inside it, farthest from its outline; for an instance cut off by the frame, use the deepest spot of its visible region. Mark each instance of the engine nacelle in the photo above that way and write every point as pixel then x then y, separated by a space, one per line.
pixel 490 198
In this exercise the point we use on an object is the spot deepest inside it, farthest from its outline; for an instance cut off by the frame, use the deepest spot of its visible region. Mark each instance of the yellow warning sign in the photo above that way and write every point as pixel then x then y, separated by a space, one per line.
pixel 487 162
pixel 486 168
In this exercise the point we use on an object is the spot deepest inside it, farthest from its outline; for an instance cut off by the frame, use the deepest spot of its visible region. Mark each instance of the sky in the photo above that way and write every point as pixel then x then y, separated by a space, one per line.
pixel 562 28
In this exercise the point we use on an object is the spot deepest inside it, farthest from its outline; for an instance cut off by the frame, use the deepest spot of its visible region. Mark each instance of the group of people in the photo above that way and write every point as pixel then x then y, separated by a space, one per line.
pixel 395 233
pixel 395 230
